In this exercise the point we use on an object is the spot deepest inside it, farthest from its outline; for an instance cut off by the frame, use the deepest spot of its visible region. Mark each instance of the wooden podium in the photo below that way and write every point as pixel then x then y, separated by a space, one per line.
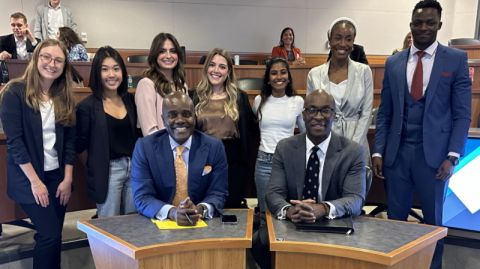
pixel 133 241
pixel 376 243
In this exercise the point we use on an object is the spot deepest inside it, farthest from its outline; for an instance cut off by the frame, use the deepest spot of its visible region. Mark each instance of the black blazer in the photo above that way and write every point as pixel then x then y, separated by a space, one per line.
pixel 7 43
pixel 23 128
pixel 92 135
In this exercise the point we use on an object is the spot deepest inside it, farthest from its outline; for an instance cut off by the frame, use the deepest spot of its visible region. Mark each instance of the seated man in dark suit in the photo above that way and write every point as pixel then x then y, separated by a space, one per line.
pixel 314 175
pixel 18 44
pixel 179 173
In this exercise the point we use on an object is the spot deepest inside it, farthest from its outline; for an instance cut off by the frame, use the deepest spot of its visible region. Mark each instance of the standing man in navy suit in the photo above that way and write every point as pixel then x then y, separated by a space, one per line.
pixel 155 174
pixel 423 120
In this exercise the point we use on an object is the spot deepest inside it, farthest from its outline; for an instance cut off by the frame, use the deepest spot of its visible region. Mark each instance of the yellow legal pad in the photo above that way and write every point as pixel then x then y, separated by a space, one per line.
pixel 172 225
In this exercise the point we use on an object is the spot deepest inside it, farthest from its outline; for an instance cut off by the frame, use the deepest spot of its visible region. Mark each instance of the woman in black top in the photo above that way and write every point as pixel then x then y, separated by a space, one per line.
pixel 106 134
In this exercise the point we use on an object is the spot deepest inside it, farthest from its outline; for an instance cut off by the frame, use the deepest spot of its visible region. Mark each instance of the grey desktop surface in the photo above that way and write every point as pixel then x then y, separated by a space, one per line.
pixel 370 234
pixel 140 231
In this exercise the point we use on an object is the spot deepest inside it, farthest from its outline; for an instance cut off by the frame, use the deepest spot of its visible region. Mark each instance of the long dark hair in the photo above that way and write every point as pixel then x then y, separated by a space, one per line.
pixel 281 36
pixel 162 85
pixel 267 87
pixel 95 82
pixel 68 37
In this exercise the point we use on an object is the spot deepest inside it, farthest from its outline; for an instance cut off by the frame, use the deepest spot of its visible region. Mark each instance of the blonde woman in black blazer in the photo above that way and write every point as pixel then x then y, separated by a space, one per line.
pixel 37 112
pixel 106 134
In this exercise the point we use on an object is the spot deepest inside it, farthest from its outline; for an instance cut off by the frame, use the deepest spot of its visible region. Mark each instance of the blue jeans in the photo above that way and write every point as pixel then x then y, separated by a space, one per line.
pixel 119 195
pixel 263 170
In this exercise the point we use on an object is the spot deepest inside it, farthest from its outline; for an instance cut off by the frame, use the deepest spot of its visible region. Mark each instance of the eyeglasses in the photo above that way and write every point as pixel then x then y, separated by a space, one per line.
pixel 324 111
pixel 46 58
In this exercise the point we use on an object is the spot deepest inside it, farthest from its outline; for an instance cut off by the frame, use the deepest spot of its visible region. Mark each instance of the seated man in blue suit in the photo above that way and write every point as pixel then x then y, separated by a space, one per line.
pixel 181 186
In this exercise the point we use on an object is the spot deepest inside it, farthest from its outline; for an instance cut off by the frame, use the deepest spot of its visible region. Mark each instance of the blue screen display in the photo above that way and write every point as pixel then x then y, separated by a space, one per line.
pixel 462 202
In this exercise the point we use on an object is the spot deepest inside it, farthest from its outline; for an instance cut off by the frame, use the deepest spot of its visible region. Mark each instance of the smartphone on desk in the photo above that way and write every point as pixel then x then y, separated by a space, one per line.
pixel 229 219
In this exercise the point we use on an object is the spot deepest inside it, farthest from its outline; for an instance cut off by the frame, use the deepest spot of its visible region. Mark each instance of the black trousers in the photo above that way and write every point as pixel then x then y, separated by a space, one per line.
pixel 237 174
pixel 48 222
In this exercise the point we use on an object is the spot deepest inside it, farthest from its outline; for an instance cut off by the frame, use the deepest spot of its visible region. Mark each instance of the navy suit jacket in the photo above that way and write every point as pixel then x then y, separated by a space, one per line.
pixel 447 113
pixel 7 43
pixel 23 128
pixel 153 172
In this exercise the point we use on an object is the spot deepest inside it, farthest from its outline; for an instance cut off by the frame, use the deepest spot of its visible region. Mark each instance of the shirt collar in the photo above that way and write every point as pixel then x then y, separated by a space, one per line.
pixel 174 144
pixel 57 8
pixel 20 40
pixel 429 51
pixel 323 146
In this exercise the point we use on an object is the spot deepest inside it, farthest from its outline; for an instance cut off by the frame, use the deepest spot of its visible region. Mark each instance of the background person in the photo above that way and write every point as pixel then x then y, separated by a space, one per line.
pixel 50 18
pixel 286 48
pixel 76 50
pixel 21 42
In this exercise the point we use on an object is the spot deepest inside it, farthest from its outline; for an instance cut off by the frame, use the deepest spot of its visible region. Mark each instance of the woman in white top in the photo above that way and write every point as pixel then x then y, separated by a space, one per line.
pixel 350 83
pixel 164 75
pixel 278 111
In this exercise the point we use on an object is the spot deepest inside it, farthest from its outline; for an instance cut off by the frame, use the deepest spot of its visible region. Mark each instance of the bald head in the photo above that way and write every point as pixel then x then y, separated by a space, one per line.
pixel 178 116
pixel 318 114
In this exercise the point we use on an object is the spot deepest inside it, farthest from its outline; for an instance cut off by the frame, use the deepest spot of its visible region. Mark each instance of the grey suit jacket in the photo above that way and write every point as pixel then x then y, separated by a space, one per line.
pixel 343 179
pixel 40 29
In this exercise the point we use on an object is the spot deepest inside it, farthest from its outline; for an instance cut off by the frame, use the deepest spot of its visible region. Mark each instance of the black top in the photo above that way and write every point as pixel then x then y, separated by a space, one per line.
pixel 120 137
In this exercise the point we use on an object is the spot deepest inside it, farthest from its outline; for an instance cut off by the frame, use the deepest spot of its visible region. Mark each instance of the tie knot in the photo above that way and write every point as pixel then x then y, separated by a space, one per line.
pixel 420 54
pixel 179 150
pixel 315 149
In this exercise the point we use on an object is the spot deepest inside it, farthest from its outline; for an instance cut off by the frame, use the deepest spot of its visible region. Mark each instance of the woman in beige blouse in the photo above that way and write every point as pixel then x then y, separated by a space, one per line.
pixel 224 112
pixel 164 75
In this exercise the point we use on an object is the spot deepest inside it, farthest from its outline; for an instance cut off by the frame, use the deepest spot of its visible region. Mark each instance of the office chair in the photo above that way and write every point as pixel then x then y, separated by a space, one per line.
pixel 135 80
pixel 248 62
pixel 137 59
pixel 463 41
pixel 245 84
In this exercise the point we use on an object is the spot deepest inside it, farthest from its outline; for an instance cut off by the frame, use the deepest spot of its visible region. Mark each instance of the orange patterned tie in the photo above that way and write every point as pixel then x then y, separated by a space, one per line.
pixel 181 173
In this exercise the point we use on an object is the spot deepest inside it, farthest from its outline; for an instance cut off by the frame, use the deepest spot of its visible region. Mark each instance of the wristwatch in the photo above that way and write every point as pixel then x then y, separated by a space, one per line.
pixel 204 211
pixel 453 160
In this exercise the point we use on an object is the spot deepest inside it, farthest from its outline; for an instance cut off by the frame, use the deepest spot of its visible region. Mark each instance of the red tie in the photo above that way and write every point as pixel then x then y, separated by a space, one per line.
pixel 417 81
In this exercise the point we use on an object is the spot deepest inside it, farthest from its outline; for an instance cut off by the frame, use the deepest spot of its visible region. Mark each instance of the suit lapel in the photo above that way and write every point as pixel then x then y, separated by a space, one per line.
pixel 330 162
pixel 401 71
pixel 299 162
pixel 440 60
pixel 164 164
pixel 350 83
pixel 196 160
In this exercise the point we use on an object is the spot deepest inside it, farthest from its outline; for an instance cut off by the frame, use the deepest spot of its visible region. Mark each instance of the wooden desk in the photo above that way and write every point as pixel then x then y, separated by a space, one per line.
pixel 133 241
pixel 376 243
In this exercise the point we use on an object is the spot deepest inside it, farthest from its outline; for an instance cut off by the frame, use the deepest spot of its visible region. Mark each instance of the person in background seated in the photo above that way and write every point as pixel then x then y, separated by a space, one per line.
pixel 407 42
pixel 106 134
pixel 179 173
pixel 38 117
pixel 223 111
pixel 50 18
pixel 21 42
pixel 164 75
pixel 278 110
pixel 286 48
pixel 76 50
pixel 314 175
pixel 349 82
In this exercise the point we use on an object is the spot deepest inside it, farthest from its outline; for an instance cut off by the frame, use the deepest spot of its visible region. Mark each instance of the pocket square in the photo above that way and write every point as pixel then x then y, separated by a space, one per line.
pixel 206 170
pixel 446 74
